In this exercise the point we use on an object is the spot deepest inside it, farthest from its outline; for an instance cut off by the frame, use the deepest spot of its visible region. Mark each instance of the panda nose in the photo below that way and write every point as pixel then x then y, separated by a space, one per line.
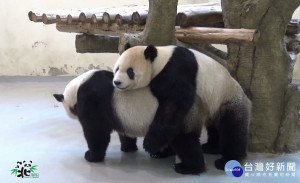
pixel 117 83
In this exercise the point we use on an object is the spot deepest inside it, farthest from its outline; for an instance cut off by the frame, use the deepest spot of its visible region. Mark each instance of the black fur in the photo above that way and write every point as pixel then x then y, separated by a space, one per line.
pixel 167 152
pixel 128 144
pixel 130 73
pixel 188 149
pixel 233 133
pixel 212 146
pixel 127 46
pixel 97 117
pixel 58 97
pixel 74 110
pixel 175 88
pixel 150 53
pixel 95 113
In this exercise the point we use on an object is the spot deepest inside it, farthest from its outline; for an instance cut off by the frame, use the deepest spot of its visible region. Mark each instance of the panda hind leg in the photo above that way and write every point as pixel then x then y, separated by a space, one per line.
pixel 233 133
pixel 213 145
pixel 128 144
pixel 97 144
pixel 187 147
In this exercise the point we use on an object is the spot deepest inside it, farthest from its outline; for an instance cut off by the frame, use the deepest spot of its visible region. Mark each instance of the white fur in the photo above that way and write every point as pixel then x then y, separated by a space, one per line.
pixel 142 70
pixel 215 86
pixel 70 92
pixel 163 55
pixel 135 109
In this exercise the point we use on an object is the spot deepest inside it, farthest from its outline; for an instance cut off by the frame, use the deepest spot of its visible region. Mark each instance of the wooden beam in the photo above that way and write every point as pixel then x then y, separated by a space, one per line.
pixel 95 29
pixel 216 35
pixel 35 16
pixel 206 16
pixel 107 44
pixel 133 18
pixel 49 18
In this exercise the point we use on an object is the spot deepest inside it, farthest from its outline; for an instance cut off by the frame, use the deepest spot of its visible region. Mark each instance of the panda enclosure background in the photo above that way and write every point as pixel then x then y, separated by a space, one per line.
pixel 29 49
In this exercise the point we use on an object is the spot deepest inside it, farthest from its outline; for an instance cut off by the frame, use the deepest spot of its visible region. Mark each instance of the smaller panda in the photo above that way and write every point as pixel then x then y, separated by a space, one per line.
pixel 92 99
pixel 176 76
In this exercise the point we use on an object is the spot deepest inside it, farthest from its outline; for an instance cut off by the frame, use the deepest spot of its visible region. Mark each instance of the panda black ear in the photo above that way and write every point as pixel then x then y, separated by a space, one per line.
pixel 150 53
pixel 127 46
pixel 58 97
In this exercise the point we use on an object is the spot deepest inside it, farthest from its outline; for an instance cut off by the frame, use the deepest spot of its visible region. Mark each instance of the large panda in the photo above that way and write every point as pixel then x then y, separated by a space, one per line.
pixel 175 75
pixel 91 98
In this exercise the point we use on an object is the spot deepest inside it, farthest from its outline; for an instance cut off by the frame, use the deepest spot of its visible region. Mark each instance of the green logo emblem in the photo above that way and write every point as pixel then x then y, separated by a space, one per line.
pixel 25 170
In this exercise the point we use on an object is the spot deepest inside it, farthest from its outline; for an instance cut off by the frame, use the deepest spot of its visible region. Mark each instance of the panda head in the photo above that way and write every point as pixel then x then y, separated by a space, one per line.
pixel 133 69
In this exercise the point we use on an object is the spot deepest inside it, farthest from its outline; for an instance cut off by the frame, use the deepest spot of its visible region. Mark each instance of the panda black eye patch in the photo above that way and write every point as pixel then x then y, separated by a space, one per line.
pixel 130 73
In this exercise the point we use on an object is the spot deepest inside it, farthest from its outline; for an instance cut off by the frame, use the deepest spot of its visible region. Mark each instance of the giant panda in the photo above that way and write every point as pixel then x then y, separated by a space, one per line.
pixel 175 76
pixel 92 99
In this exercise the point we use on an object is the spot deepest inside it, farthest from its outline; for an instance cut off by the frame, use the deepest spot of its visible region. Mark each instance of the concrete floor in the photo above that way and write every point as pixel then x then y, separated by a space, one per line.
pixel 33 126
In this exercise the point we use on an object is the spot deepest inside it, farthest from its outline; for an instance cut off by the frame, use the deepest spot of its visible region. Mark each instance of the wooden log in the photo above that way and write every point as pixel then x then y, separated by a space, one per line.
pixel 187 35
pixel 118 19
pixel 106 18
pixel 61 18
pixel 103 29
pixel 97 18
pixel 293 27
pixel 217 35
pixel 137 14
pixel 35 16
pixel 73 18
pixel 134 18
pixel 49 18
pixel 106 44
pixel 204 17
pixel 86 17
pixel 139 18
pixel 96 44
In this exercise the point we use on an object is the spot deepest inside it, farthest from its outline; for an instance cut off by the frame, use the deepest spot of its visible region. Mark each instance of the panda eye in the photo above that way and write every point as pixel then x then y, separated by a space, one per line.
pixel 130 73
pixel 117 69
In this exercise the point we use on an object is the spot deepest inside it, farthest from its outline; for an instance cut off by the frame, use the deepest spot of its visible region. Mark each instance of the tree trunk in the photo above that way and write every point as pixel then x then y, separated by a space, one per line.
pixel 159 28
pixel 263 70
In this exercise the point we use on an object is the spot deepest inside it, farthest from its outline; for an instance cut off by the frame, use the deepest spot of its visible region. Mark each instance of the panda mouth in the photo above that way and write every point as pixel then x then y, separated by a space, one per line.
pixel 121 88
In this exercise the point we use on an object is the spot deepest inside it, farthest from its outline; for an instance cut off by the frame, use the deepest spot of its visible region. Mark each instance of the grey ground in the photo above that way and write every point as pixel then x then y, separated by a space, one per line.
pixel 33 126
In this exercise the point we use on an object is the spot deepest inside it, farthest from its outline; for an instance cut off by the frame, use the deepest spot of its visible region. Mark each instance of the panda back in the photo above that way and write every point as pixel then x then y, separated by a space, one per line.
pixel 215 85
pixel 70 92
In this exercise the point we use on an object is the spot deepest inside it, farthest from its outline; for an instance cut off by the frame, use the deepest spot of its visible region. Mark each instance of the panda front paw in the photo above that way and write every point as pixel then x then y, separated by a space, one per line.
pixel 150 145
pixel 93 157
